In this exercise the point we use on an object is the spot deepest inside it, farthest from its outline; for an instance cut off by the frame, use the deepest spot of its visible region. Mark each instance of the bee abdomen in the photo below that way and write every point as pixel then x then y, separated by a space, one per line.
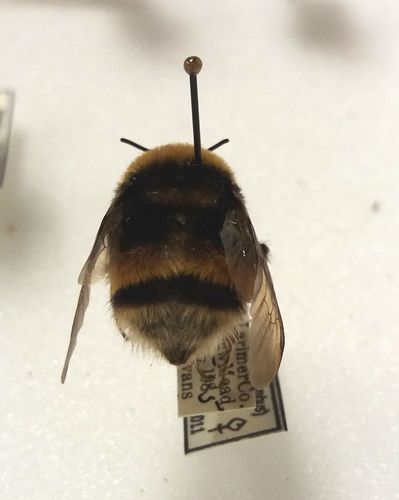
pixel 183 289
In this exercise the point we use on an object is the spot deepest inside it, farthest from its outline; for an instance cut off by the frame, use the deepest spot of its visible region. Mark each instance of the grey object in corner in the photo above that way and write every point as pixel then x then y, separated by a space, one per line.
pixel 6 111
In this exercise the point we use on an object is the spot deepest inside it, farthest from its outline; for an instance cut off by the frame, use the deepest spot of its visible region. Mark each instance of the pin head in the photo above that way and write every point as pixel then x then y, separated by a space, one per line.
pixel 192 65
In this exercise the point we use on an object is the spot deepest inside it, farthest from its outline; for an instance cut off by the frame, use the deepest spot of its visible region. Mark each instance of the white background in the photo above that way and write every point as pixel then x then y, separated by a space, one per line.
pixel 308 93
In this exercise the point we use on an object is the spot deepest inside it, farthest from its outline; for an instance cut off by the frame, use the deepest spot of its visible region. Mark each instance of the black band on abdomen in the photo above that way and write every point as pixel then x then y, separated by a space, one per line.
pixel 185 289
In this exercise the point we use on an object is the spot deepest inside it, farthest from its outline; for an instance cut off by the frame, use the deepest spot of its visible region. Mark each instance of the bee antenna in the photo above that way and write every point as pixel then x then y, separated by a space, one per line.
pixel 192 66
pixel 134 144
pixel 218 144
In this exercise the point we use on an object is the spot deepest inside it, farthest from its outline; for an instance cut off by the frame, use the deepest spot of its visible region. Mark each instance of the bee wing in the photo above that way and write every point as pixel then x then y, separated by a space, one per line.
pixel 248 269
pixel 266 334
pixel 240 251
pixel 101 260
pixel 93 269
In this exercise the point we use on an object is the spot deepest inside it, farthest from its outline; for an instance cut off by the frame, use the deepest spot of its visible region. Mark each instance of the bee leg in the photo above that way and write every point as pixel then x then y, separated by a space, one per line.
pixel 125 337
pixel 265 250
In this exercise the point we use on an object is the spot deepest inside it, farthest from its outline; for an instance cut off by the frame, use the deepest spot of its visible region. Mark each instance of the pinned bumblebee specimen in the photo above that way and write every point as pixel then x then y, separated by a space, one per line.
pixel 182 258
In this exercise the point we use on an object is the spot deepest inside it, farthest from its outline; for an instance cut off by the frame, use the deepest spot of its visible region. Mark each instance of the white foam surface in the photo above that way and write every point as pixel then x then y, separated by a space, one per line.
pixel 307 92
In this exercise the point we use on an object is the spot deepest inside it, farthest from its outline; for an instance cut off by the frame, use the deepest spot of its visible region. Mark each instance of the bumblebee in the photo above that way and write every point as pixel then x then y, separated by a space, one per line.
pixel 183 260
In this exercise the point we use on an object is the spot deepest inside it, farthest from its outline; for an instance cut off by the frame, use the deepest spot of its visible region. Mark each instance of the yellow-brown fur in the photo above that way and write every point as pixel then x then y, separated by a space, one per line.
pixel 149 262
pixel 180 331
pixel 174 152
